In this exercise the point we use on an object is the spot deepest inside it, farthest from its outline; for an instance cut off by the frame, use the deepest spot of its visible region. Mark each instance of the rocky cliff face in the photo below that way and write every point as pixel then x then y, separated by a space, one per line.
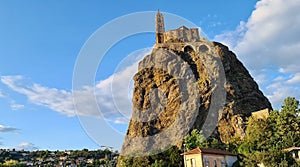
pixel 243 96
pixel 182 86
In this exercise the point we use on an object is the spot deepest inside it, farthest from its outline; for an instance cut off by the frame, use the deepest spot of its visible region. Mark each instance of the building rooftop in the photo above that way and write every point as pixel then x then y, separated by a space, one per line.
pixel 207 151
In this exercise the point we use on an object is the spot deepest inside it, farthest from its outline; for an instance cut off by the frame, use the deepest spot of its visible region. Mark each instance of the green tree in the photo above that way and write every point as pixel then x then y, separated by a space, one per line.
pixel 141 162
pixel 265 140
pixel 12 163
pixel 125 161
pixel 285 125
pixel 195 139
pixel 216 144
pixel 159 163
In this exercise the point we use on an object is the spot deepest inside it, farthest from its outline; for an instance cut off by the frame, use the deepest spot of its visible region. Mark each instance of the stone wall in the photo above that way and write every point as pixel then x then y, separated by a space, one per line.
pixel 182 34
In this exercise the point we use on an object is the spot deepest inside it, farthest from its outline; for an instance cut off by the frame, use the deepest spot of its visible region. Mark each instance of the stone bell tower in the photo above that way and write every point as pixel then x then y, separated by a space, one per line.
pixel 160 27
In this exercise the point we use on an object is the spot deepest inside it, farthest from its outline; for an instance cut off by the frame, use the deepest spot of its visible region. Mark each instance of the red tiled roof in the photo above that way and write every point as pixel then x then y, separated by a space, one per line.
pixel 207 151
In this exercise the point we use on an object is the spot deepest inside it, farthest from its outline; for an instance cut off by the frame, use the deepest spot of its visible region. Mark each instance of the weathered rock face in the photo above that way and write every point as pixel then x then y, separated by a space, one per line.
pixel 243 96
pixel 181 86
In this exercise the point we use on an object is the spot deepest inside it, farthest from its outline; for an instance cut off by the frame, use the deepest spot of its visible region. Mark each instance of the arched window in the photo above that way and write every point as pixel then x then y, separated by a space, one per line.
pixel 188 49
pixel 203 48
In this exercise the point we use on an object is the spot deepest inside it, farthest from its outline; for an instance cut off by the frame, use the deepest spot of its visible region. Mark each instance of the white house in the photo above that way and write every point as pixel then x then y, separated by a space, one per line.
pixel 207 157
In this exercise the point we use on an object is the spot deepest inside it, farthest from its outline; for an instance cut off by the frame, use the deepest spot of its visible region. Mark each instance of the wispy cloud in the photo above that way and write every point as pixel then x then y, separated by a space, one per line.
pixel 2 95
pixel 270 39
pixel 232 38
pixel 26 146
pixel 280 89
pixel 57 100
pixel 15 106
pixel 294 80
pixel 112 94
pixel 8 129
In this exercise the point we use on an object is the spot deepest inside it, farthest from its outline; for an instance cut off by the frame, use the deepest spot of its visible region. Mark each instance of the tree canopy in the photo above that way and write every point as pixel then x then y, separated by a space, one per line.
pixel 265 140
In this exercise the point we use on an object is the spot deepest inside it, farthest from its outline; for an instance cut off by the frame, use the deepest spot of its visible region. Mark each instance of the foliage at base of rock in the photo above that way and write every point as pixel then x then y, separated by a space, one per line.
pixel 196 139
pixel 168 158
pixel 266 140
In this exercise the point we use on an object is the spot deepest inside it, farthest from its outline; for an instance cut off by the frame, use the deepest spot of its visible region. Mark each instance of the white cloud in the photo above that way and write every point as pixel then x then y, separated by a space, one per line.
pixel 290 69
pixel 26 146
pixel 280 89
pixel 270 39
pixel 57 100
pixel 15 106
pixel 2 95
pixel 8 129
pixel 295 79
pixel 273 35
pixel 112 94
pixel 231 38
pixel 121 120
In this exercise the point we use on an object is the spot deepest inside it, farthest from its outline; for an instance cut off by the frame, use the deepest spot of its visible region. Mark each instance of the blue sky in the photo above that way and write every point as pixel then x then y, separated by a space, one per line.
pixel 40 43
